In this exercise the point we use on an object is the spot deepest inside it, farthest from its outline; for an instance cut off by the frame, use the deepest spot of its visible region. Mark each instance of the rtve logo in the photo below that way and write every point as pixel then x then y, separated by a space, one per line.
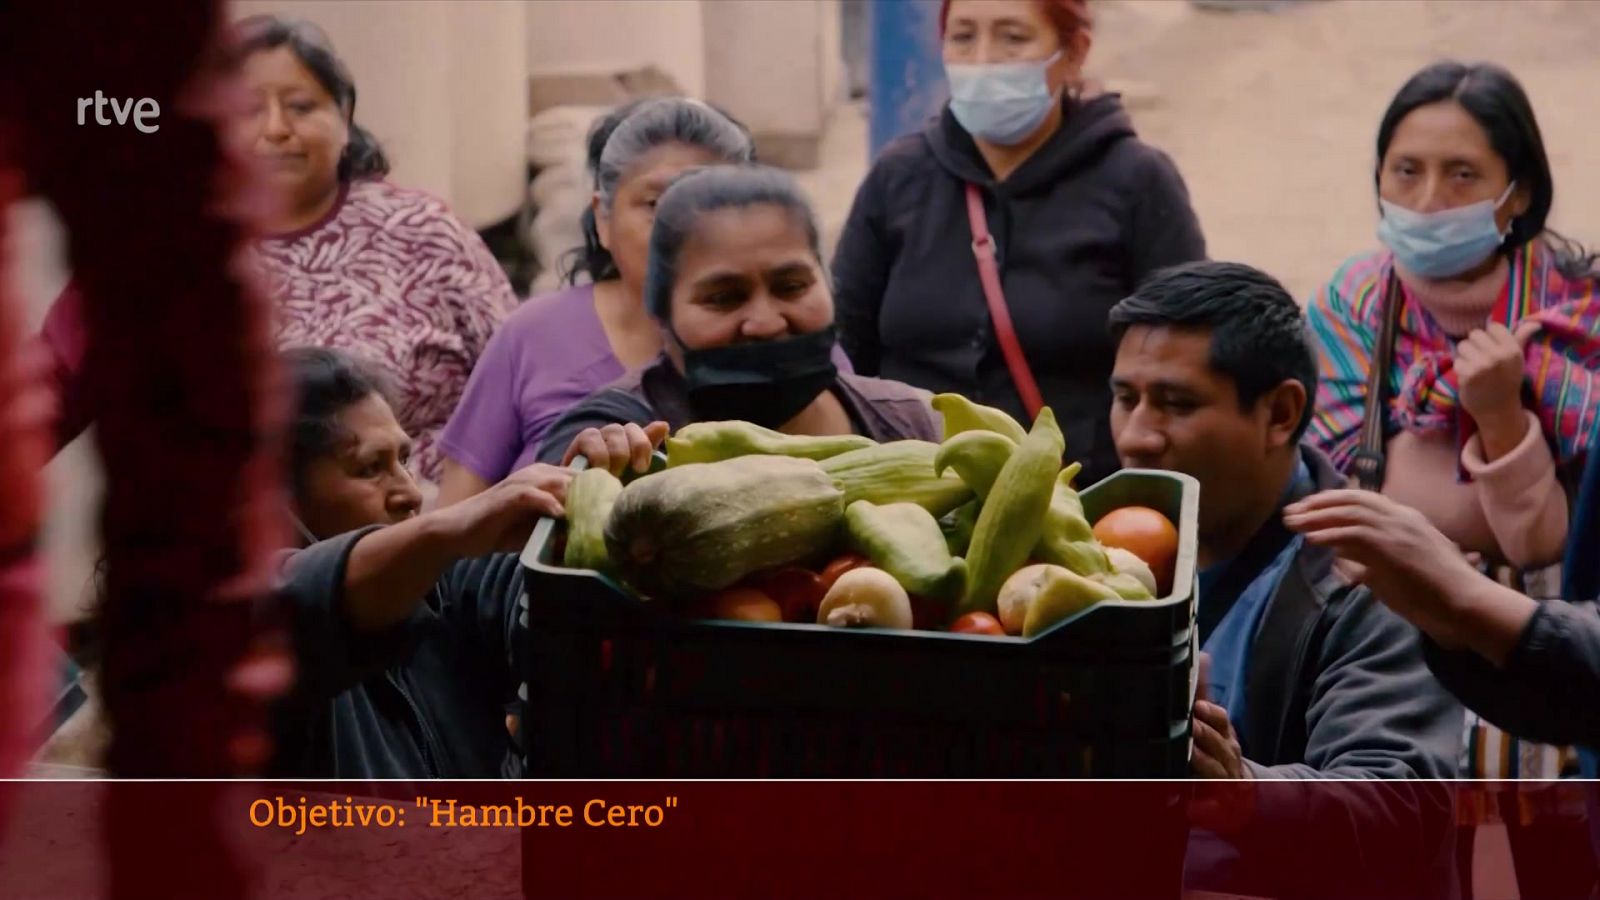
pixel 120 110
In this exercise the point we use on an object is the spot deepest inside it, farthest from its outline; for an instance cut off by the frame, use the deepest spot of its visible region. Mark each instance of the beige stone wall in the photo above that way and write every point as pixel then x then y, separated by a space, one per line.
pixel 488 108
pixel 443 83
pixel 612 35
pixel 776 65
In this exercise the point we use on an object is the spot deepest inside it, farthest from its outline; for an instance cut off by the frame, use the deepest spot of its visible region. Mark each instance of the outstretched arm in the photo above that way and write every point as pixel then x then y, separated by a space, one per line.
pixel 391 569
pixel 1530 668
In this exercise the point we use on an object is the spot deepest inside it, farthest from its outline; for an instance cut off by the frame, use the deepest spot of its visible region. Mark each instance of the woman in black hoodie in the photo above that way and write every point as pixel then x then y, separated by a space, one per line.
pixel 1080 210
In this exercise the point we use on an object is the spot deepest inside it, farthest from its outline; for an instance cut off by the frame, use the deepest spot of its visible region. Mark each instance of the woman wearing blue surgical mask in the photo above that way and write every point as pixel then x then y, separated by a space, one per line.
pixel 1458 364
pixel 1076 210
pixel 1490 388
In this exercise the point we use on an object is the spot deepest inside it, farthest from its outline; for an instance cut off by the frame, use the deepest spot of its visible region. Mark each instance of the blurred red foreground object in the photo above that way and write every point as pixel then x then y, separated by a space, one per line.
pixel 178 377
pixel 24 413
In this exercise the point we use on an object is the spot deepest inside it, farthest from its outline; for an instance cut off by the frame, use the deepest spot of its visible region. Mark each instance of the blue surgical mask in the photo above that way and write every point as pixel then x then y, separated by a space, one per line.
pixel 1001 102
pixel 1444 243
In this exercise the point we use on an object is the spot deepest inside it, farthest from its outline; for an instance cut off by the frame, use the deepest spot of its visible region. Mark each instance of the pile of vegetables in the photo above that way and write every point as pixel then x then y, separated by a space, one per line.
pixel 981 534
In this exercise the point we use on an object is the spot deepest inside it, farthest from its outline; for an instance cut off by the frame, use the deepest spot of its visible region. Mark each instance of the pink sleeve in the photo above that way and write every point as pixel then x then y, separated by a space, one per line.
pixel 1521 498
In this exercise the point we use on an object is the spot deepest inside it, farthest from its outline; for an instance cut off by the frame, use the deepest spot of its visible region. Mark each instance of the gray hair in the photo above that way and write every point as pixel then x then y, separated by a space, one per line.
pixel 706 190
pixel 667 120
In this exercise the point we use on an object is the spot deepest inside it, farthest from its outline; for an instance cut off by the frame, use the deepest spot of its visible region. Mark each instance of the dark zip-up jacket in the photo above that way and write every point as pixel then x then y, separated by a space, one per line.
pixel 1549 690
pixel 1337 685
pixel 1076 227
pixel 424 699
pixel 1337 689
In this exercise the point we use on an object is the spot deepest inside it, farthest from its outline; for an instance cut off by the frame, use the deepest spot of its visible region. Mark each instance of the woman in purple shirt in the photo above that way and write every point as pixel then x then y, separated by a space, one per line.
pixel 561 347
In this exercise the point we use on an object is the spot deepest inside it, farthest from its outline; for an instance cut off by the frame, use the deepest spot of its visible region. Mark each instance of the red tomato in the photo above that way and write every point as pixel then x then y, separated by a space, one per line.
pixel 832 571
pixel 1146 534
pixel 798 591
pixel 978 623
pixel 741 604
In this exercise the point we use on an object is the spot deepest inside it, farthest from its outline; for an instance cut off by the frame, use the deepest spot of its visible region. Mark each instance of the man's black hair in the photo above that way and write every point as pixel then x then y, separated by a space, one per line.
pixel 1259 336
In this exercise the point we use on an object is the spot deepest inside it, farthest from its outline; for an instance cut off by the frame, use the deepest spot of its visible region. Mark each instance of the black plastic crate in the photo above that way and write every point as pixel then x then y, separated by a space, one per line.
pixel 615 687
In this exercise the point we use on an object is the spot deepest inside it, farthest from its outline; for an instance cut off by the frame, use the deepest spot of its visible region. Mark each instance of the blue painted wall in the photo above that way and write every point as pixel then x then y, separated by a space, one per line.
pixel 907 83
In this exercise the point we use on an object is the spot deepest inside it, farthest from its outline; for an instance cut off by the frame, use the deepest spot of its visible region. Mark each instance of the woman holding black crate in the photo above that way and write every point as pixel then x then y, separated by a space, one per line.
pixel 402 622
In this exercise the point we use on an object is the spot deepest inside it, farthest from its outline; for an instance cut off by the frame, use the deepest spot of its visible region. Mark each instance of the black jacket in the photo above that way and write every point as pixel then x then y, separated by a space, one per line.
pixel 426 699
pixel 1549 690
pixel 1337 689
pixel 1077 226
pixel 1337 685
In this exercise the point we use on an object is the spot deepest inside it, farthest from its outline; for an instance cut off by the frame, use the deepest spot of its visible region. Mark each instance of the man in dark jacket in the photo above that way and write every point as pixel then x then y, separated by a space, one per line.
pixel 1308 677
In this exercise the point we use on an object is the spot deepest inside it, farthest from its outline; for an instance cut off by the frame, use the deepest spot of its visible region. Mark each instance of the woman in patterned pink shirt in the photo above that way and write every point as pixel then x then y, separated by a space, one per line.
pixel 352 261
pixel 355 262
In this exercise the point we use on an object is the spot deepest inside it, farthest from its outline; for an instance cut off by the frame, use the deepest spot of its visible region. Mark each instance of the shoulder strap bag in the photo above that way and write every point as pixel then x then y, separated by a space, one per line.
pixel 994 295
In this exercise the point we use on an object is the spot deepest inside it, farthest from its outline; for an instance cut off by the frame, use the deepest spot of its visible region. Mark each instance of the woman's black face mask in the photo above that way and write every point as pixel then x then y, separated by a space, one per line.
pixel 765 382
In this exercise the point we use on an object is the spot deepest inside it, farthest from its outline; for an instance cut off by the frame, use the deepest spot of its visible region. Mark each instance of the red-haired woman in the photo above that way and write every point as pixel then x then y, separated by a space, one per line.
pixel 1078 208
